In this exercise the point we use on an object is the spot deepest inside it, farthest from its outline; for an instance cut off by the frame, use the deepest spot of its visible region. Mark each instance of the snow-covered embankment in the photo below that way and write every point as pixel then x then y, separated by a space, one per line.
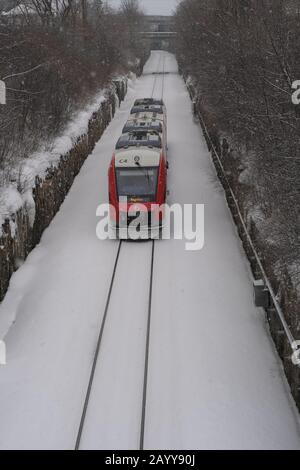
pixel 41 182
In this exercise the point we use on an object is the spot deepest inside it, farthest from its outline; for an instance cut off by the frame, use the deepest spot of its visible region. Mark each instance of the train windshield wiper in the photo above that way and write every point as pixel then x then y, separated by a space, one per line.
pixel 146 173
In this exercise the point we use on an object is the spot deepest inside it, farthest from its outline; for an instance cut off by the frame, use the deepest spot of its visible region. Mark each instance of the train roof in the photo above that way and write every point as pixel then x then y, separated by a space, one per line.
pixel 142 124
pixel 146 108
pixel 148 101
pixel 132 158
pixel 139 139
pixel 147 115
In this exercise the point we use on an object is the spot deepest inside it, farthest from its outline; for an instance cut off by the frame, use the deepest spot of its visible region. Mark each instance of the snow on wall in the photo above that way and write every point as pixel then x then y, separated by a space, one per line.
pixel 41 183
pixel 24 176
pixel 11 199
pixel 19 193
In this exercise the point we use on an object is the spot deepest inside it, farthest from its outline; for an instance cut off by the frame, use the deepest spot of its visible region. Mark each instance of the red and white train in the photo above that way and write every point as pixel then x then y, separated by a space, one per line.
pixel 138 171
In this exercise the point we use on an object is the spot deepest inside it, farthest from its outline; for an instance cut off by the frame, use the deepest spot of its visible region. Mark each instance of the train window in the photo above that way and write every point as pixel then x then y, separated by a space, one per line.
pixel 137 182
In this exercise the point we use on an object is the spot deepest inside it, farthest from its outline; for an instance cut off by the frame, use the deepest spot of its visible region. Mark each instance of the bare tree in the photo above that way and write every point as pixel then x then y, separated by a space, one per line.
pixel 52 64
pixel 243 57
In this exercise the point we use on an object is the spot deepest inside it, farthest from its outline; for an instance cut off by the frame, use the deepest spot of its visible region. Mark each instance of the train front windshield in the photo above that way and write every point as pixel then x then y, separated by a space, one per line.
pixel 140 183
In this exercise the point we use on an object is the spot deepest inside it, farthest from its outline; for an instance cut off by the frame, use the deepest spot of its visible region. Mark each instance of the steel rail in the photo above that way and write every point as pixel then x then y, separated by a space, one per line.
pixel 147 349
pixel 156 73
pixel 99 341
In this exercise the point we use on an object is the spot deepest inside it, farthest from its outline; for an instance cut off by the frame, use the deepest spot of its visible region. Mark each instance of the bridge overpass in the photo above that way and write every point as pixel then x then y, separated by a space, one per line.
pixel 158 32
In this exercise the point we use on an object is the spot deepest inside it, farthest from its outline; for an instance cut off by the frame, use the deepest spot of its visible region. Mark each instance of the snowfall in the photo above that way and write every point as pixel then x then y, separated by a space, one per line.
pixel 215 380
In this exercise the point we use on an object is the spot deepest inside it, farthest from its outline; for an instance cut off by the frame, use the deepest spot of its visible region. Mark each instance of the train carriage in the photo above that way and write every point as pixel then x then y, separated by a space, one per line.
pixel 152 108
pixel 151 103
pixel 138 170
pixel 138 182
pixel 143 124
pixel 150 113
pixel 148 101
pixel 148 124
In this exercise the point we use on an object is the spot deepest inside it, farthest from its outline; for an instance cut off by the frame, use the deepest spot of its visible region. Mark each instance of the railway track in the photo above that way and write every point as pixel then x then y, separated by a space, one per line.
pixel 156 75
pixel 95 360
pixel 147 349
pixel 159 74
pixel 97 355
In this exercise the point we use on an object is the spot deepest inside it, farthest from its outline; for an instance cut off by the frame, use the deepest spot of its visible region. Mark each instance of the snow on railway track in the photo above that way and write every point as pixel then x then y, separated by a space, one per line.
pixel 116 403
pixel 206 376
pixel 138 304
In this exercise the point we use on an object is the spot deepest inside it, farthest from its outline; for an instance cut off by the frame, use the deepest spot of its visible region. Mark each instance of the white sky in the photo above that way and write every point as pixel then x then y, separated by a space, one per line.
pixel 153 7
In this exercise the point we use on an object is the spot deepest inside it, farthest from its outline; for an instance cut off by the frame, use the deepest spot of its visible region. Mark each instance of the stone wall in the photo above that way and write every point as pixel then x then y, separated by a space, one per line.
pixel 19 238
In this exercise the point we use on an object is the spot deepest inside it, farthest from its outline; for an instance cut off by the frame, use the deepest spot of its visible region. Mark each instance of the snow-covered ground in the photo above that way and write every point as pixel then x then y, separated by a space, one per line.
pixel 214 377
pixel 25 172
